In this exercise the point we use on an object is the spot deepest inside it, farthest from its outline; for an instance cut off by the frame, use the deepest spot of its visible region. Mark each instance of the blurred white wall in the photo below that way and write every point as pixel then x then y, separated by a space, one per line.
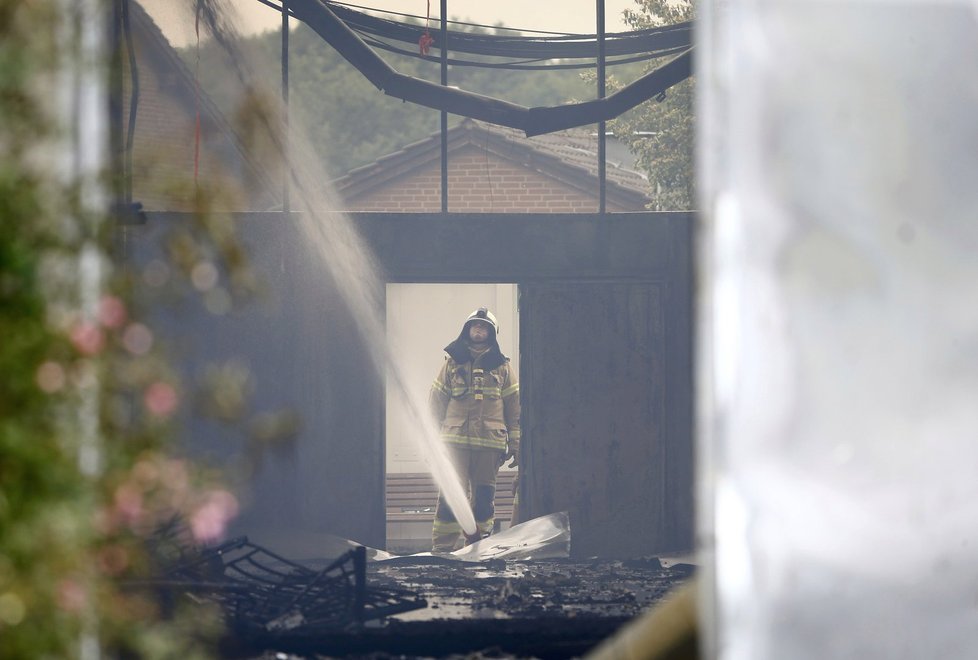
pixel 421 320
pixel 837 364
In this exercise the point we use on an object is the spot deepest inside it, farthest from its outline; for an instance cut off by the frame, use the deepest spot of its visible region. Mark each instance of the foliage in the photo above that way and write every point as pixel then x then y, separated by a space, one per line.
pixel 44 544
pixel 661 134
pixel 87 398
pixel 349 121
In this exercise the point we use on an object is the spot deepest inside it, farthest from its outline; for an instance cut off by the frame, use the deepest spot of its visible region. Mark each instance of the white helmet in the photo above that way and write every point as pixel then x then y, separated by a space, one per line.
pixel 483 314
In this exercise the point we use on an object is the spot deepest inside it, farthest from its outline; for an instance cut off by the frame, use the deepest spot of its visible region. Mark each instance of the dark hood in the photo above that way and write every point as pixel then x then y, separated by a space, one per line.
pixel 459 351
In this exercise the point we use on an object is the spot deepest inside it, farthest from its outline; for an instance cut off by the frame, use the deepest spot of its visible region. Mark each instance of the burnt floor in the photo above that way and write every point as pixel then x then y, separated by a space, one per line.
pixel 552 608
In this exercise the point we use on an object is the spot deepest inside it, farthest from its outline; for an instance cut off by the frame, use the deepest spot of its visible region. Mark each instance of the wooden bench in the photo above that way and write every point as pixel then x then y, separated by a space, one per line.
pixel 412 496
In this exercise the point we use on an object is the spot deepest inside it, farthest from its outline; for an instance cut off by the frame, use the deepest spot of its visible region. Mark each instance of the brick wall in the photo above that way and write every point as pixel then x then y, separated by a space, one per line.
pixel 478 182
pixel 163 148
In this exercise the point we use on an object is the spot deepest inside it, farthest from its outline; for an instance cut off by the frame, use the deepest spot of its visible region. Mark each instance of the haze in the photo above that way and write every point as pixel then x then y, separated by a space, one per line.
pixel 176 18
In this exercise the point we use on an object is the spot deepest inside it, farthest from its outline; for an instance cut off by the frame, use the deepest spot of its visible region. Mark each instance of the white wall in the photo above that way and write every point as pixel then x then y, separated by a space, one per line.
pixel 421 320
pixel 838 330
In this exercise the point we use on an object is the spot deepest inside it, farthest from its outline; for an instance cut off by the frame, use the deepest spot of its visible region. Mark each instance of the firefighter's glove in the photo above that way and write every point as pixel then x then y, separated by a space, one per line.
pixel 512 452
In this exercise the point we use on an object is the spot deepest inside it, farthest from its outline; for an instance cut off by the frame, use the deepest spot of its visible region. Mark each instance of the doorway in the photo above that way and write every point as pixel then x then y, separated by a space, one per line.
pixel 421 320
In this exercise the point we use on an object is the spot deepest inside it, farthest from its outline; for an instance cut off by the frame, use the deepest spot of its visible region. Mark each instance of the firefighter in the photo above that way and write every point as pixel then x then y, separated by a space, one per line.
pixel 476 399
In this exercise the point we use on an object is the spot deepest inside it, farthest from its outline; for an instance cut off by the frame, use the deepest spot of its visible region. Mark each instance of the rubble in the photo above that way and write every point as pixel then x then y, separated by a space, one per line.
pixel 538 605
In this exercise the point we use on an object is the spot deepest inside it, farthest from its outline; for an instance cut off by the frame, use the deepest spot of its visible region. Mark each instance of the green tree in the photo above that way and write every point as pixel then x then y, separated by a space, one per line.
pixel 348 121
pixel 661 133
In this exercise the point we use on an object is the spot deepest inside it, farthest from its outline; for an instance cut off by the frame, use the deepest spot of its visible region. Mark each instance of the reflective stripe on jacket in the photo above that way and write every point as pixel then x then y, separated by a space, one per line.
pixel 477 407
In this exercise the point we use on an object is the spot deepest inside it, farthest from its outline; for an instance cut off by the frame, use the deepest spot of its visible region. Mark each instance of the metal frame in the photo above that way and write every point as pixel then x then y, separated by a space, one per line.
pixel 533 121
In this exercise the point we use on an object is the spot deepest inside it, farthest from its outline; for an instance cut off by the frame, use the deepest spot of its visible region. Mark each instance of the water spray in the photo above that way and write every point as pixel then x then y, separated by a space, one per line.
pixel 350 263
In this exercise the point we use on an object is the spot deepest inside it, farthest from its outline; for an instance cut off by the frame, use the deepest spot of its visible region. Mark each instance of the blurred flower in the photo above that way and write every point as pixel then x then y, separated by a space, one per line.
pixel 137 339
pixel 50 377
pixel 218 301
pixel 111 312
pixel 160 399
pixel 209 522
pixel 71 596
pixel 128 501
pixel 87 337
pixel 204 276
pixel 146 472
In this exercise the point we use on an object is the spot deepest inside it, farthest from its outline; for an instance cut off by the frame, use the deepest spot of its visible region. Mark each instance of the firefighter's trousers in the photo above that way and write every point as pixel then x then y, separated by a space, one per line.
pixel 476 468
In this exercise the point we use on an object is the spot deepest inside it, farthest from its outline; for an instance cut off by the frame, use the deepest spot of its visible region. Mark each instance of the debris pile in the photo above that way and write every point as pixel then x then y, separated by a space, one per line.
pixel 535 603
pixel 266 597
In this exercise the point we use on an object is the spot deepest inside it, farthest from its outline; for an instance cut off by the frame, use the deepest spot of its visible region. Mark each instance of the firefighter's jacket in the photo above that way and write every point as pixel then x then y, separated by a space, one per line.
pixel 477 403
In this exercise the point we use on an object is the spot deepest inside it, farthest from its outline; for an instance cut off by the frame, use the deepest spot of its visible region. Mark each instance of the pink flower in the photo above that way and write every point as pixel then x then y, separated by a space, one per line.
pixel 137 339
pixel 71 596
pixel 87 337
pixel 160 399
pixel 111 312
pixel 128 503
pixel 209 522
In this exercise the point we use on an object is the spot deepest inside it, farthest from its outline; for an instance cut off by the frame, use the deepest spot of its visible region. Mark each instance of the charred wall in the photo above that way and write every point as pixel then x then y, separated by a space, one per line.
pixel 305 354
pixel 606 373
pixel 606 358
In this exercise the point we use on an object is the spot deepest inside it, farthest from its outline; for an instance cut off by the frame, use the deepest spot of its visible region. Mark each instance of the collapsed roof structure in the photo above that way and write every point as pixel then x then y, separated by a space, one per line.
pixel 349 31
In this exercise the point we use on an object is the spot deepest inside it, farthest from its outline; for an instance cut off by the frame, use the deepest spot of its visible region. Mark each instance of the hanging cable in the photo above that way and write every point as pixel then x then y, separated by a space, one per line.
pixel 658 42
pixel 443 47
pixel 520 46
pixel 539 64
pixel 317 15
pixel 286 129
pixel 197 100
pixel 133 104
pixel 387 12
